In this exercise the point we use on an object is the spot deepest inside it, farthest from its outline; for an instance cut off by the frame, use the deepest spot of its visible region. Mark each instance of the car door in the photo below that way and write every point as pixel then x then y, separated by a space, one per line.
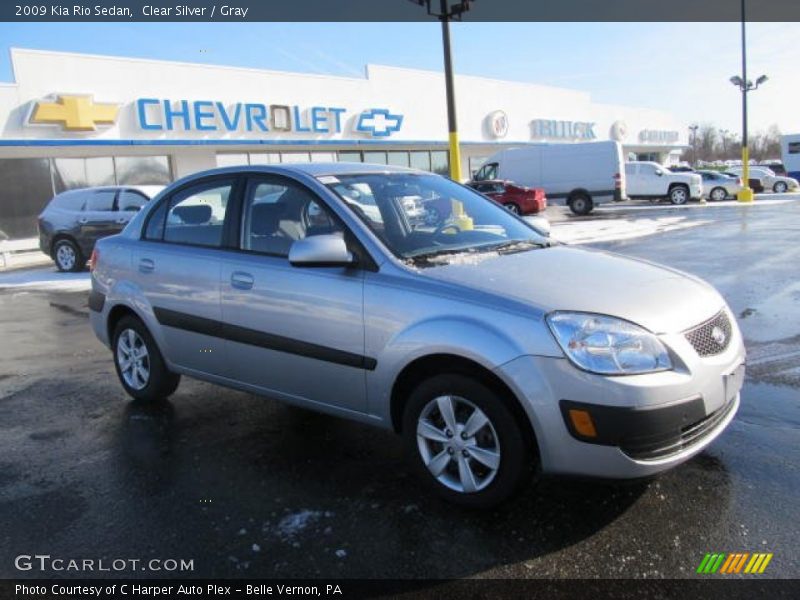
pixel 177 268
pixel 632 180
pixel 98 218
pixel 294 332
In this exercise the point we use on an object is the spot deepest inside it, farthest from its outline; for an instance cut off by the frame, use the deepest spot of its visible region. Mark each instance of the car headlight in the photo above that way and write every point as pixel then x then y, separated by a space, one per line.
pixel 607 345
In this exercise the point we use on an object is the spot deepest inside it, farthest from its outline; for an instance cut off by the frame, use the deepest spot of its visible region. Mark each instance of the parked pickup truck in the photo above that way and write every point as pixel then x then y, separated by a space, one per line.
pixel 652 181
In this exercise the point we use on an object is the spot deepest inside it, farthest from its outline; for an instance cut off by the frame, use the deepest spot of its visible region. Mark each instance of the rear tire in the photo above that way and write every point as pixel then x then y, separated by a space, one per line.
pixel 139 364
pixel 679 195
pixel 514 208
pixel 780 187
pixel 68 256
pixel 471 465
pixel 581 204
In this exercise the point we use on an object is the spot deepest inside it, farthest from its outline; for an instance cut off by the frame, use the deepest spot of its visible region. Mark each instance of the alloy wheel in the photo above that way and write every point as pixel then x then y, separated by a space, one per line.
pixel 133 359
pixel 65 255
pixel 458 444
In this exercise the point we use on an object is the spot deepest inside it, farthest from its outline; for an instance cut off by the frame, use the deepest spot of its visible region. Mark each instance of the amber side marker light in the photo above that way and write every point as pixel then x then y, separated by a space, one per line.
pixel 582 422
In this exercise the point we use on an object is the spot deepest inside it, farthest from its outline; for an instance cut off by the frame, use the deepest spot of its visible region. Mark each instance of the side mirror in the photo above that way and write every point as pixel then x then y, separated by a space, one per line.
pixel 660 173
pixel 329 250
pixel 541 224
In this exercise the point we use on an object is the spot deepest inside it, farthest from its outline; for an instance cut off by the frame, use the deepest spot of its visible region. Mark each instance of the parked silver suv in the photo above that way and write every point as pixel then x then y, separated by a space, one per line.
pixel 495 352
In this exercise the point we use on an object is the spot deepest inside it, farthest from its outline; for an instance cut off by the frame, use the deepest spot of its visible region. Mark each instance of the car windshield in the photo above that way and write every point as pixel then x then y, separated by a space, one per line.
pixel 419 216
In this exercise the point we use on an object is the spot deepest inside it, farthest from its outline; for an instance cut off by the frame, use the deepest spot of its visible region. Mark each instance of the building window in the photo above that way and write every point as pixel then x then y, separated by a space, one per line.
pixel 323 157
pixel 142 170
pixel 26 187
pixel 440 163
pixel 421 160
pixel 350 156
pixel 294 157
pixel 230 159
pixel 376 158
pixel 399 159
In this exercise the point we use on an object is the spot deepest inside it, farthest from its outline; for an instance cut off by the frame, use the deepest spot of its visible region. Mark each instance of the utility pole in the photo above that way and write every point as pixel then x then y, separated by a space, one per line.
pixel 693 129
pixel 446 14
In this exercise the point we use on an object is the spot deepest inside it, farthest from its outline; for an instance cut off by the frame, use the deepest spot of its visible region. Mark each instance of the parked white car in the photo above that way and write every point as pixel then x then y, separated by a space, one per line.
pixel 768 180
pixel 718 186
pixel 650 180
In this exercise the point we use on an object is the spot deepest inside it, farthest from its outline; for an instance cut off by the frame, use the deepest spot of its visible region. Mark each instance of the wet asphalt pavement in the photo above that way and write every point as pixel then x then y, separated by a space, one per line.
pixel 247 487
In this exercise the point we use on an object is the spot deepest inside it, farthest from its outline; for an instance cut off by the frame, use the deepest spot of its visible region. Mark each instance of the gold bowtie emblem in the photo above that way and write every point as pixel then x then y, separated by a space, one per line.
pixel 74 113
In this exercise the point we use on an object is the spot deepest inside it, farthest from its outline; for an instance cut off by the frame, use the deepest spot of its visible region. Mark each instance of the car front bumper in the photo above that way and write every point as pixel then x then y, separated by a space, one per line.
pixel 644 424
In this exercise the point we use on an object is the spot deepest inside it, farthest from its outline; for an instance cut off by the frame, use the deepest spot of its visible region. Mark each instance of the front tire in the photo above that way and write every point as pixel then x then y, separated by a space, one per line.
pixel 780 187
pixel 718 194
pixel 68 256
pixel 679 195
pixel 464 442
pixel 139 364
pixel 581 204
pixel 514 208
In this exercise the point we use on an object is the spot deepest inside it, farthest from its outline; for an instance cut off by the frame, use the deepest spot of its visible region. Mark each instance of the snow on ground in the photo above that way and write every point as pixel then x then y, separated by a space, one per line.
pixel 45 279
pixel 605 230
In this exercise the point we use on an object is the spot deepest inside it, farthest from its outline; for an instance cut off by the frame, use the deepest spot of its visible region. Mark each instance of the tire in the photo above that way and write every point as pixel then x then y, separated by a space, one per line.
pixel 500 442
pixel 581 204
pixel 152 380
pixel 780 187
pixel 679 195
pixel 68 256
pixel 514 208
pixel 718 194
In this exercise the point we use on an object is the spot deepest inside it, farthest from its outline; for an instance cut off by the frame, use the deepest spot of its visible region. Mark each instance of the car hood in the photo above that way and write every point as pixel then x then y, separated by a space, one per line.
pixel 660 299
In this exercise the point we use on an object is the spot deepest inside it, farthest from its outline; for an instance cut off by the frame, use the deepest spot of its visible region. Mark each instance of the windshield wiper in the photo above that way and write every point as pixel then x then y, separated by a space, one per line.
pixel 512 246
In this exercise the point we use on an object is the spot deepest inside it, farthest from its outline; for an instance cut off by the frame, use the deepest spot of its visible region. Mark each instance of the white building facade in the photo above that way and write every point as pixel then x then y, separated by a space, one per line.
pixel 71 120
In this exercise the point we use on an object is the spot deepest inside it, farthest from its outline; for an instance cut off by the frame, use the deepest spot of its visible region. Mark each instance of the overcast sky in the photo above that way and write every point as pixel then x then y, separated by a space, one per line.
pixel 679 67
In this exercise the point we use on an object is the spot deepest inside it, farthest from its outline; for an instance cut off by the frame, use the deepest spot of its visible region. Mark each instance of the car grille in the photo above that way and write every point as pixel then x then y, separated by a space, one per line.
pixel 711 337
pixel 679 440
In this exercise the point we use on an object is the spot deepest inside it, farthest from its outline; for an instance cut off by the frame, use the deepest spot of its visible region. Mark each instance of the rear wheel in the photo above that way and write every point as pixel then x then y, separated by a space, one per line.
pixel 780 187
pixel 68 256
pixel 679 194
pixel 718 194
pixel 139 364
pixel 514 208
pixel 464 442
pixel 581 204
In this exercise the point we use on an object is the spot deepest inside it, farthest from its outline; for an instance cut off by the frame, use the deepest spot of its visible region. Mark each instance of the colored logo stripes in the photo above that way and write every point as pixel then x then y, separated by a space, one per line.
pixel 737 562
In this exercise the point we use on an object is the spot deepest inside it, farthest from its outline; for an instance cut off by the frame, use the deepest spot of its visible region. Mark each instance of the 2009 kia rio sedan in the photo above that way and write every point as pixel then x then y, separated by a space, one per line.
pixel 495 352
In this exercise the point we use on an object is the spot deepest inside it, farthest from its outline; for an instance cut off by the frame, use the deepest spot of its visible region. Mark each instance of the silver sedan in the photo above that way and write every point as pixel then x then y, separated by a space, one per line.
pixel 495 352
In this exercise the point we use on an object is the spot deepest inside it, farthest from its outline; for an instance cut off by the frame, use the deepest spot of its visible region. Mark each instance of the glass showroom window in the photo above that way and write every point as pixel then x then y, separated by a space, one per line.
pixel 25 189
pixel 142 170
pixel 421 160
pixel 440 163
pixel 350 156
pixel 377 158
pixel 399 159
pixel 294 157
pixel 229 159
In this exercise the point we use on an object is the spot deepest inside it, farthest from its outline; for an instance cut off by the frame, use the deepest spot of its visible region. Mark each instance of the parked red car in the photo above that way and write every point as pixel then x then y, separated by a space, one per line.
pixel 516 198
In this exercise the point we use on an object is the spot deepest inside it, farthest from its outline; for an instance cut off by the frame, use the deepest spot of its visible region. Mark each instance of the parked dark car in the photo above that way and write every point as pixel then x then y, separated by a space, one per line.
pixel 681 169
pixel 516 198
pixel 74 220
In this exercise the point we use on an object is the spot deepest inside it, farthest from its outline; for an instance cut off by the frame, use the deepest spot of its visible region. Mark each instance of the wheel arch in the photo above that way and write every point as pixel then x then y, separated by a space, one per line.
pixel 61 235
pixel 430 365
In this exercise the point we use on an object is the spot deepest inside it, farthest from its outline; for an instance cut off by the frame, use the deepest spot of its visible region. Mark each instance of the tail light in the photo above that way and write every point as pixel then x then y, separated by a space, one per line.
pixel 617 181
pixel 93 259
pixel 739 180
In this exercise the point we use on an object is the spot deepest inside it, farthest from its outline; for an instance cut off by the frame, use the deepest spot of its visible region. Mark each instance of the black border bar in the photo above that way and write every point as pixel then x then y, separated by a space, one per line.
pixel 128 11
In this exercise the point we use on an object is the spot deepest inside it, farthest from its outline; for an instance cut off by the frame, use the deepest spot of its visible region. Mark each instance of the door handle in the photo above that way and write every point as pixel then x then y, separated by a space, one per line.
pixel 146 266
pixel 242 281
pixel 83 220
pixel 122 220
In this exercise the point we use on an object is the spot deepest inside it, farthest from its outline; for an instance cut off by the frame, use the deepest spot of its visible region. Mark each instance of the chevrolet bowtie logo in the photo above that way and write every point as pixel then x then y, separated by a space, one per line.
pixel 379 122
pixel 74 113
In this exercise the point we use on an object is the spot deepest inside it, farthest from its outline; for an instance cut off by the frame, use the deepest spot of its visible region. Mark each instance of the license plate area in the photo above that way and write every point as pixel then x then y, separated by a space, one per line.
pixel 733 382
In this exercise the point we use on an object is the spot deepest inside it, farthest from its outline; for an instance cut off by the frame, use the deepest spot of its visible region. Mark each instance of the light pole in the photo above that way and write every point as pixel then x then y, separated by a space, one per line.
pixel 693 129
pixel 745 85
pixel 446 14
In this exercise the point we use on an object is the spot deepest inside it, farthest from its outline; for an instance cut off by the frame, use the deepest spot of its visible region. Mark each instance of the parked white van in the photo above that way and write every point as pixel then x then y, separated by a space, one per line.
pixel 583 174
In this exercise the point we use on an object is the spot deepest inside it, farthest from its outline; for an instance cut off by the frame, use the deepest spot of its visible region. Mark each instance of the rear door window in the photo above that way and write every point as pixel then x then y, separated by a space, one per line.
pixel 102 200
pixel 130 200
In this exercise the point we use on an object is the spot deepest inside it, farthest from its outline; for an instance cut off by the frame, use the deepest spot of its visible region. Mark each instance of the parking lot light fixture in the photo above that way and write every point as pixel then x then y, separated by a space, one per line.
pixel 745 86
pixel 446 12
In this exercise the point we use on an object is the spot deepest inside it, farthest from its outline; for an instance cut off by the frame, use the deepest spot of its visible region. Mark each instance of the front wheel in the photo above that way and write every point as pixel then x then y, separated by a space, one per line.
pixel 464 442
pixel 139 364
pixel 581 204
pixel 679 195
pixel 514 208
pixel 780 187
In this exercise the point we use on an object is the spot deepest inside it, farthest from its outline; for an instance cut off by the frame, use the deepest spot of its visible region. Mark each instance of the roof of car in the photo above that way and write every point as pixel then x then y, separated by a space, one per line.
pixel 148 190
pixel 318 169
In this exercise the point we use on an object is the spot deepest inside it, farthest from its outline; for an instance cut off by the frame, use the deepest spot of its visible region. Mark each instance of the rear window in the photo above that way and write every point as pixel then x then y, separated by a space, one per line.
pixel 101 201
pixel 69 201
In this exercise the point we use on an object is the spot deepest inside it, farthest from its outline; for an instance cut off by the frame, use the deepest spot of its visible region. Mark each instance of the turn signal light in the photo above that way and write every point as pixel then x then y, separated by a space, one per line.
pixel 93 259
pixel 582 422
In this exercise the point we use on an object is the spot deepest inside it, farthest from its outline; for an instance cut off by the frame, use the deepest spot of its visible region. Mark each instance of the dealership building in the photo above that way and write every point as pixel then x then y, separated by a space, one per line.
pixel 75 120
